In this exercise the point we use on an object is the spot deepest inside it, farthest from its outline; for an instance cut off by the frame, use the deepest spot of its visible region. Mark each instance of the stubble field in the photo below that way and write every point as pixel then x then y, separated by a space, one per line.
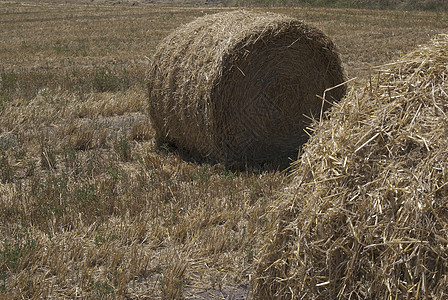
pixel 89 208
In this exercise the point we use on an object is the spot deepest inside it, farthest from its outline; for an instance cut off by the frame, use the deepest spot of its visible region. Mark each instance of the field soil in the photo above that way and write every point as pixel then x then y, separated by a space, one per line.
pixel 434 5
pixel 89 207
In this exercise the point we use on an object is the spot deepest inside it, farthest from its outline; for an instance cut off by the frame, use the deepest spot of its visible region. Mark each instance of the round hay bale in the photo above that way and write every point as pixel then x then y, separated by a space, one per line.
pixel 240 87
pixel 366 214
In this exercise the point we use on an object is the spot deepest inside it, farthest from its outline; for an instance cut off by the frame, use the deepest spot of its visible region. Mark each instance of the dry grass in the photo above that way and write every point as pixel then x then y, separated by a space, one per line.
pixel 88 207
pixel 366 216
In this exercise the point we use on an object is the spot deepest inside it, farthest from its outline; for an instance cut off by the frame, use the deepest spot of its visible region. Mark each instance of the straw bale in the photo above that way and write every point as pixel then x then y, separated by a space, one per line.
pixel 366 213
pixel 237 87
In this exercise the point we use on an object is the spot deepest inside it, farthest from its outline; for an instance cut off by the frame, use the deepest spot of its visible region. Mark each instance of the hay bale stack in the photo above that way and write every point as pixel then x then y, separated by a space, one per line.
pixel 366 214
pixel 234 87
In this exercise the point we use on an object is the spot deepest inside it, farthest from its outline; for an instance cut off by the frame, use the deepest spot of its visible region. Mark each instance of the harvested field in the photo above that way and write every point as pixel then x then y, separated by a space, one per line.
pixel 366 213
pixel 89 208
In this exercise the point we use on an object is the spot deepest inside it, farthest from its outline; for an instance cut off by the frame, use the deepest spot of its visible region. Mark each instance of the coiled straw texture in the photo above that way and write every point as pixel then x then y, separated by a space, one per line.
pixel 240 87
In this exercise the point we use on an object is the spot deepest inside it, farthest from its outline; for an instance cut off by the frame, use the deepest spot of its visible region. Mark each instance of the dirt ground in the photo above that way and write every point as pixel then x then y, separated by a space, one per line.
pixel 238 292
pixel 75 69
